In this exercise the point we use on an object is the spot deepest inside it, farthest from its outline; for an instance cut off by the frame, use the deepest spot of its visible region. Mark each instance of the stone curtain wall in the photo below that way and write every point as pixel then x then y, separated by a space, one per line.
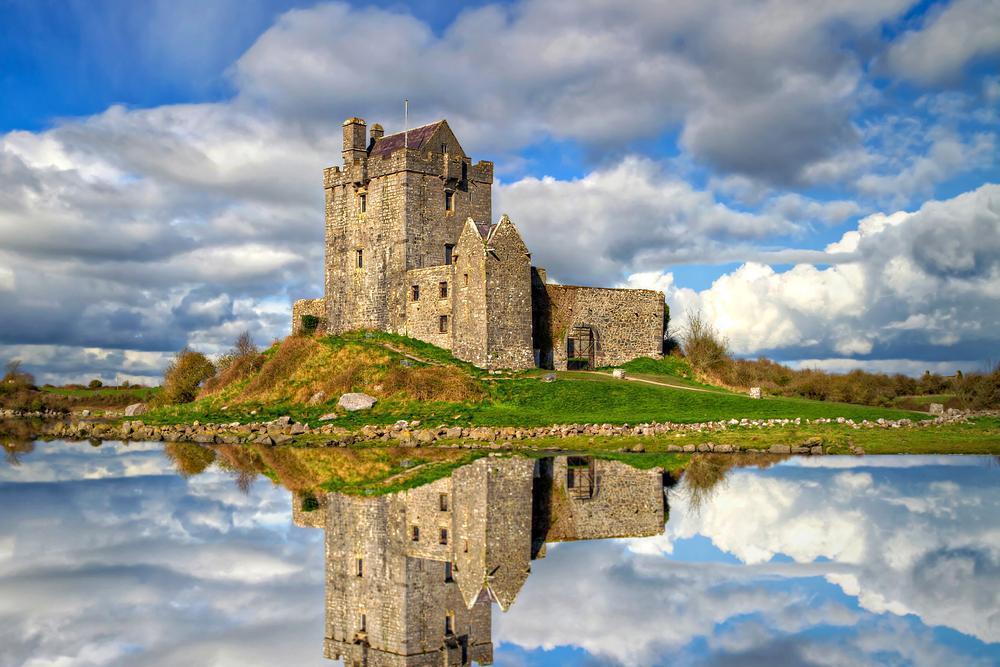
pixel 469 338
pixel 314 307
pixel 627 323
pixel 627 502
pixel 423 315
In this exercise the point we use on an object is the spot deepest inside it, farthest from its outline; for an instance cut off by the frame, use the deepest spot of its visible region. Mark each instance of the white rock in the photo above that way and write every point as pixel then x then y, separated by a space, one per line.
pixel 356 401
pixel 135 410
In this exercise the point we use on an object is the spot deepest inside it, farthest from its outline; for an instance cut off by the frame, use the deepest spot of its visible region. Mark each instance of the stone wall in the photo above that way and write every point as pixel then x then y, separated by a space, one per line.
pixel 314 307
pixel 469 337
pixel 423 314
pixel 508 299
pixel 626 323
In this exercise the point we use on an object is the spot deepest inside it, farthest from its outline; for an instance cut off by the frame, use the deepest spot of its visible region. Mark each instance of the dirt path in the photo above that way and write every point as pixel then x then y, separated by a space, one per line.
pixel 409 356
pixel 659 384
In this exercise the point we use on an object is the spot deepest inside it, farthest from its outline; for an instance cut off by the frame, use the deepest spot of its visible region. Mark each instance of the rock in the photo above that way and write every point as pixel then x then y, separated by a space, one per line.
pixel 284 420
pixel 356 401
pixel 725 449
pixel 263 440
pixel 135 410
pixel 407 363
pixel 327 417
pixel 816 450
pixel 780 449
pixel 549 377
pixel 317 398
pixel 754 392
pixel 936 408
pixel 453 433
pixel 674 448
pixel 84 413
pixel 689 448
pixel 618 373
pixel 638 448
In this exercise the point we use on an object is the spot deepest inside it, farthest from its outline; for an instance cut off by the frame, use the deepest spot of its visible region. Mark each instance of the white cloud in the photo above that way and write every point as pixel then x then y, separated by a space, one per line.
pixel 930 278
pixel 950 37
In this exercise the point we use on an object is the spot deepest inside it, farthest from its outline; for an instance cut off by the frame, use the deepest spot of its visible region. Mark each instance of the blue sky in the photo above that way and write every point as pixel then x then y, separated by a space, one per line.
pixel 819 181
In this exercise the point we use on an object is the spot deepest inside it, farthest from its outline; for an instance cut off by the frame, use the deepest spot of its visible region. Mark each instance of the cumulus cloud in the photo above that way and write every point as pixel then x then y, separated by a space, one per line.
pixel 151 567
pixel 904 286
pixel 951 37
pixel 781 540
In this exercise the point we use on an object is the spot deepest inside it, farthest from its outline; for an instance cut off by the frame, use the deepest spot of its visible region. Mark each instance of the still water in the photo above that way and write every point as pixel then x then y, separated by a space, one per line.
pixel 110 556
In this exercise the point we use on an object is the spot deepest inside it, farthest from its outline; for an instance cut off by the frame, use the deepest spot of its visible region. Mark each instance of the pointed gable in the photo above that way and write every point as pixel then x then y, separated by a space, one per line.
pixel 426 137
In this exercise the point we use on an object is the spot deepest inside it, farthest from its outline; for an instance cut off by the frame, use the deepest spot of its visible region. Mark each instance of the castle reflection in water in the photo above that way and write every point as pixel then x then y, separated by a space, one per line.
pixel 411 576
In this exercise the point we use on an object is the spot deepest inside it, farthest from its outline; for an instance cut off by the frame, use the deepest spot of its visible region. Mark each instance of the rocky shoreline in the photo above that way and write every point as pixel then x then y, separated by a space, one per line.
pixel 284 430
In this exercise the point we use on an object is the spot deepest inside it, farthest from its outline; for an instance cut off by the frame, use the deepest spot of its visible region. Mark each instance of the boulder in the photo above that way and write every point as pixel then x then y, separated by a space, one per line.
pixel 638 448
pixel 328 417
pixel 136 409
pixel 549 377
pixel 356 401
pixel 754 392
pixel 936 408
pixel 317 398
pixel 780 449
pixel 618 373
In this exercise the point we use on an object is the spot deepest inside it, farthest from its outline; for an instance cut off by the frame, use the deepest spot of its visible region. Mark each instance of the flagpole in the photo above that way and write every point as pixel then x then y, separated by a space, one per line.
pixel 406 123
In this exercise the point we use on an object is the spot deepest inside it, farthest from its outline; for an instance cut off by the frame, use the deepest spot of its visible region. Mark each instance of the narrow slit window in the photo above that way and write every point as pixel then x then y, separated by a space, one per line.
pixel 363 203
pixel 466 279
pixel 443 289
pixel 415 533
pixel 416 292
pixel 449 201
pixel 364 623
pixel 443 539
pixel 449 624
pixel 443 324
pixel 361 567
pixel 361 258
pixel 443 502
pixel 449 253
pixel 448 572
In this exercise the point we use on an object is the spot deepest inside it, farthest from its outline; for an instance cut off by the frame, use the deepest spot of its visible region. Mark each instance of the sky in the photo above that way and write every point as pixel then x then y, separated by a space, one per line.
pixel 108 557
pixel 819 180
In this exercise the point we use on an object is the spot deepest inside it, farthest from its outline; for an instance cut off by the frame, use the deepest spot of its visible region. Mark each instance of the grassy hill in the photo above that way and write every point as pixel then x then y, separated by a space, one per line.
pixel 304 376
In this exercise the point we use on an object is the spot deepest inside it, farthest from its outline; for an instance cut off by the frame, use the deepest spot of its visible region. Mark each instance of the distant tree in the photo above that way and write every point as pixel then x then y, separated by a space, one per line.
pixel 95 384
pixel 15 376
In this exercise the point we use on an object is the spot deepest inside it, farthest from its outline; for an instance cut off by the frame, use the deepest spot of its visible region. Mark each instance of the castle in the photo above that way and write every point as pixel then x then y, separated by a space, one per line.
pixel 411 249
pixel 411 577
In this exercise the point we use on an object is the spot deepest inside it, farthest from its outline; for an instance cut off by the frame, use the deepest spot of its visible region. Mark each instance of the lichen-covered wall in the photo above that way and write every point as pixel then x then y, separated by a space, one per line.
pixel 314 307
pixel 626 323
pixel 508 299
pixel 469 338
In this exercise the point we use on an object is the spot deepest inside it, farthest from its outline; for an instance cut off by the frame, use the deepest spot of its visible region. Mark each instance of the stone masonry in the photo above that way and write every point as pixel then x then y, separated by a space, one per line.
pixel 411 249
pixel 411 576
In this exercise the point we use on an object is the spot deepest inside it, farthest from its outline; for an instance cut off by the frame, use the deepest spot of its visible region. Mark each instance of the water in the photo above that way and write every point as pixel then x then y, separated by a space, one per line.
pixel 109 557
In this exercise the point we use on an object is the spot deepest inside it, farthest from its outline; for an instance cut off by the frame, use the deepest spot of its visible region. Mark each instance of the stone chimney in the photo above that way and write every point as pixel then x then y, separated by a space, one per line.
pixel 376 132
pixel 355 143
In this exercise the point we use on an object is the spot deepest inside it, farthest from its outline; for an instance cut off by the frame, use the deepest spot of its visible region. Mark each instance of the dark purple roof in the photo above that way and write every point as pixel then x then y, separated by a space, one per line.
pixel 415 138
pixel 485 228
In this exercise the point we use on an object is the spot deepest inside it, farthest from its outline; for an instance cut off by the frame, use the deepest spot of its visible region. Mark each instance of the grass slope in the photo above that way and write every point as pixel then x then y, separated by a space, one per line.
pixel 450 391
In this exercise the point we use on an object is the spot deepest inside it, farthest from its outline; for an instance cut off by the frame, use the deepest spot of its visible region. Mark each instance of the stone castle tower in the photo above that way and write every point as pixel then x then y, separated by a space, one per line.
pixel 411 249
pixel 411 576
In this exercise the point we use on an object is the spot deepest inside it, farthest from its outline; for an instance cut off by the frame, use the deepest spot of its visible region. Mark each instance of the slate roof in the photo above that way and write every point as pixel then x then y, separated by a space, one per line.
pixel 415 138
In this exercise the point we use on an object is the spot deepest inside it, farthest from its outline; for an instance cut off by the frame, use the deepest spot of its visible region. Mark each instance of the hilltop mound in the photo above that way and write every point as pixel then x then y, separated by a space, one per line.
pixel 304 369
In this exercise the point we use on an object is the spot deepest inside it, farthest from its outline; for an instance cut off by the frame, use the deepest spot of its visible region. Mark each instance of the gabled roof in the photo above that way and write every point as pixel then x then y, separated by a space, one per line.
pixel 415 138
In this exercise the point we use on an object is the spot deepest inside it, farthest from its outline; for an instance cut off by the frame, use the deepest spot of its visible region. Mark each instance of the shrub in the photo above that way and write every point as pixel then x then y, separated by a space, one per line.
pixel 239 363
pixel 95 384
pixel 704 348
pixel 309 323
pixel 15 377
pixel 184 376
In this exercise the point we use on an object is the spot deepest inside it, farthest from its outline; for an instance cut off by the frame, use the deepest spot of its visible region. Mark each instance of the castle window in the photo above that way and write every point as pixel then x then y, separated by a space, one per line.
pixel 444 147
pixel 443 324
pixel 361 567
pixel 416 292
pixel 363 203
pixel 449 623
pixel 443 502
pixel 415 533
pixel 361 258
pixel 449 201
pixel 443 539
pixel 466 279
pixel 443 289
pixel 448 572
pixel 364 623
pixel 449 253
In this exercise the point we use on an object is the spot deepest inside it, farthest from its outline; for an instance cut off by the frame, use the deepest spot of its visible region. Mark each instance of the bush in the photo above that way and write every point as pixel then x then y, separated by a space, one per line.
pixel 184 376
pixel 239 363
pixel 309 323
pixel 95 384
pixel 704 348
pixel 980 391
pixel 15 378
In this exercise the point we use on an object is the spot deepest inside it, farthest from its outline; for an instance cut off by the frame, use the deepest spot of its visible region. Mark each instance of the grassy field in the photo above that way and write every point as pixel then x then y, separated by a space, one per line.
pixel 298 369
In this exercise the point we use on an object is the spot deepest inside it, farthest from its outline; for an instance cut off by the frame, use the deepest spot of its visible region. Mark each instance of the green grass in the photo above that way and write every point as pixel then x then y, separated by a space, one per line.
pixel 140 393
pixel 670 369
